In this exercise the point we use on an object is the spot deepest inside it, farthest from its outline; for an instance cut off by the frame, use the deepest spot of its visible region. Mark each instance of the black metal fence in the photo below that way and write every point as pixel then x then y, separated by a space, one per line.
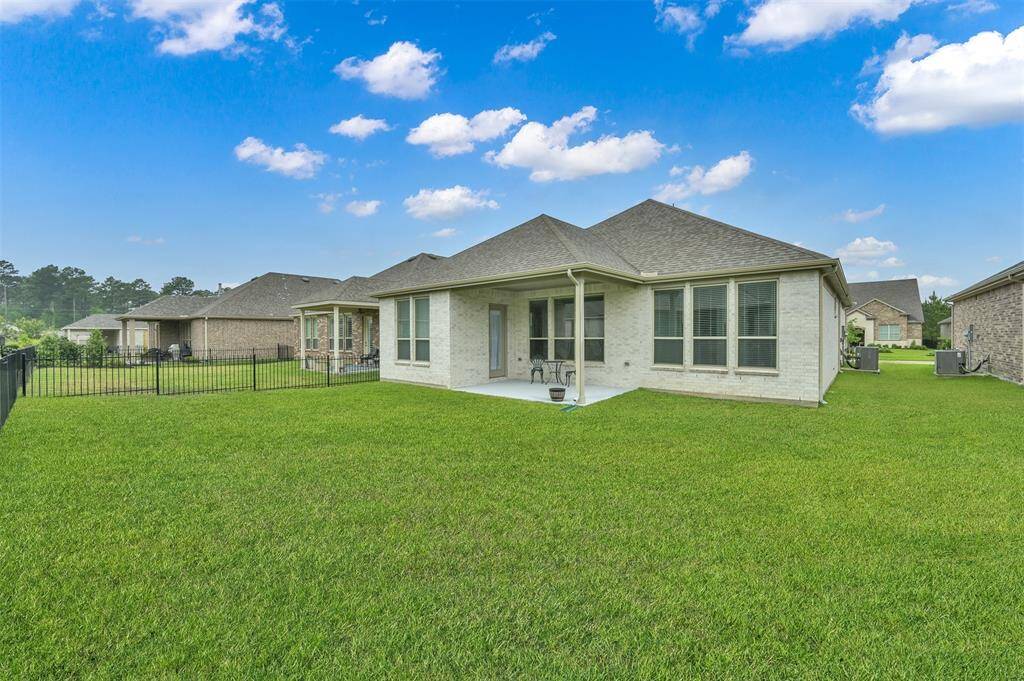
pixel 15 373
pixel 156 372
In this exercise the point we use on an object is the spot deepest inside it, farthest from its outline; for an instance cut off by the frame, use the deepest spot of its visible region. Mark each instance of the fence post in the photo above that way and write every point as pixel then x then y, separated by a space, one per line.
pixel 158 371
pixel 328 371
pixel 24 381
pixel 254 368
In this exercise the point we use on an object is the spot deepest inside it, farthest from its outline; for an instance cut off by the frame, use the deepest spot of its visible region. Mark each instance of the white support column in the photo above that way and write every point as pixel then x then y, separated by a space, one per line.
pixel 122 337
pixel 302 336
pixel 580 352
pixel 131 334
pixel 337 338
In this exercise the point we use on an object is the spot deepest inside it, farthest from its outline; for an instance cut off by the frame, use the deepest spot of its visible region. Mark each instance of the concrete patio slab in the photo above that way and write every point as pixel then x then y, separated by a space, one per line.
pixel 538 392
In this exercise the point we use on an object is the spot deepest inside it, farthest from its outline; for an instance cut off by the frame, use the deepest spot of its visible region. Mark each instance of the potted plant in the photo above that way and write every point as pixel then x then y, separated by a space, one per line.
pixel 557 393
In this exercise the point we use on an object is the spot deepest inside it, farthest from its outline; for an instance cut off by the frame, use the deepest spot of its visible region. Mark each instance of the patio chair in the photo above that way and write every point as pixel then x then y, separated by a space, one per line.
pixel 372 358
pixel 537 365
pixel 569 373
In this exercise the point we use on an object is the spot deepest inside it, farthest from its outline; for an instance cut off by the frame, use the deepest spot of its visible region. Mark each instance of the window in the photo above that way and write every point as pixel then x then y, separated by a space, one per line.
pixel 404 331
pixel 344 330
pixel 539 329
pixel 312 337
pixel 709 325
pixel 889 332
pixel 421 324
pixel 758 324
pixel 593 328
pixel 668 327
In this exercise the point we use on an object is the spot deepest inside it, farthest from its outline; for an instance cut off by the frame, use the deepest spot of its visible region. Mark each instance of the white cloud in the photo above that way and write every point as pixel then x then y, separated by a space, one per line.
pixel 302 163
pixel 136 239
pixel 358 127
pixel 906 47
pixel 684 20
pixel 853 216
pixel 444 233
pixel 404 71
pixel 783 24
pixel 892 261
pixel 968 7
pixel 524 51
pixel 438 204
pixel 994 259
pixel 724 175
pixel 13 11
pixel 448 134
pixel 676 171
pixel 191 26
pixel 977 82
pixel 866 251
pixel 872 275
pixel 372 20
pixel 930 280
pixel 326 202
pixel 363 209
pixel 546 152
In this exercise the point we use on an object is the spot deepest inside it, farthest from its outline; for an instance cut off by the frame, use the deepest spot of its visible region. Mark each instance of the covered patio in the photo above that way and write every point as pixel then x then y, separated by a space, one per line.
pixel 517 389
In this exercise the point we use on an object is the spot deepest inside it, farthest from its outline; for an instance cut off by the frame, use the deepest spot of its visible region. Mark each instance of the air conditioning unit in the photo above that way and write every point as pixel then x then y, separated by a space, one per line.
pixel 948 362
pixel 867 358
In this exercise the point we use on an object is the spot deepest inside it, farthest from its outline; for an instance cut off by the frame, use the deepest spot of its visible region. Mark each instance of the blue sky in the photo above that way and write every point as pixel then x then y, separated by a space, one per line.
pixel 162 137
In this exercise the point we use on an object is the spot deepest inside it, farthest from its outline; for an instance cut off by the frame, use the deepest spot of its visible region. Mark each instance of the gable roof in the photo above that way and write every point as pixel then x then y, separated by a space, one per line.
pixel 902 294
pixel 1011 273
pixel 658 238
pixel 358 289
pixel 107 322
pixel 268 296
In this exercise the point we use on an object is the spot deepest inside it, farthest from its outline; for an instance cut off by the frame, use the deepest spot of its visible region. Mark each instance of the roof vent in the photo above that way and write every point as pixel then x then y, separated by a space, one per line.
pixel 305 279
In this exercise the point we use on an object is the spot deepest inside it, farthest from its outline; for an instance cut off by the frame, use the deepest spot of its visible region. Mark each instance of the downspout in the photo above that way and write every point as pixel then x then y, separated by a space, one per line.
pixel 581 397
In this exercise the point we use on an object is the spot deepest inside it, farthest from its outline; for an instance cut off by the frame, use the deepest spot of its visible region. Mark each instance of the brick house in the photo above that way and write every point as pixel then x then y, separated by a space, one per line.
pixel 108 325
pixel 669 300
pixel 887 312
pixel 993 311
pixel 256 314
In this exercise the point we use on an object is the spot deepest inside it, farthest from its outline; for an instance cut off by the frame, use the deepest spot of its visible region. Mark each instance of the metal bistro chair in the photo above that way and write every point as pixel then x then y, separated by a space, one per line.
pixel 537 365
pixel 569 373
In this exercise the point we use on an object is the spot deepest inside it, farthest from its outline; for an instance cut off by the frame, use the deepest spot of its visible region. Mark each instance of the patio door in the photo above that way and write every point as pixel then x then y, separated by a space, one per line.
pixel 496 344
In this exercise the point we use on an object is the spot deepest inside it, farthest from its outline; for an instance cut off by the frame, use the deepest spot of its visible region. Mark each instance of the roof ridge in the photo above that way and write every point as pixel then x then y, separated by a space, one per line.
pixel 556 230
pixel 728 226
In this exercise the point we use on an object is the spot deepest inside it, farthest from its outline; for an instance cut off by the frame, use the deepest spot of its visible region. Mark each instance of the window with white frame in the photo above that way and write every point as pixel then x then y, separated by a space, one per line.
pixel 889 332
pixel 344 330
pixel 757 332
pixel 668 327
pixel 421 327
pixel 403 320
pixel 539 329
pixel 710 308
pixel 311 333
pixel 565 329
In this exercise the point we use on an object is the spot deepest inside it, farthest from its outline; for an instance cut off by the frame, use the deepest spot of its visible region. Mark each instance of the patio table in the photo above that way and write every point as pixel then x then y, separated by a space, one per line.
pixel 556 369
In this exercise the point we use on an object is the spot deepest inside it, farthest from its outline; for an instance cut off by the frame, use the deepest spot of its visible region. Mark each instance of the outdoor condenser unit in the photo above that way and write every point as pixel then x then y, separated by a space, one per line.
pixel 867 358
pixel 948 362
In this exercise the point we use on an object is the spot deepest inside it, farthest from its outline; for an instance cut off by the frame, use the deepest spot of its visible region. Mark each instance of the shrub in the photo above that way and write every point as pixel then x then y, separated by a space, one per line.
pixel 54 348
pixel 95 349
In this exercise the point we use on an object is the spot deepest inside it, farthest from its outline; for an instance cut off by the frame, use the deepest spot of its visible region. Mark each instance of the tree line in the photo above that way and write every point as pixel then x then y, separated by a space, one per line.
pixel 57 295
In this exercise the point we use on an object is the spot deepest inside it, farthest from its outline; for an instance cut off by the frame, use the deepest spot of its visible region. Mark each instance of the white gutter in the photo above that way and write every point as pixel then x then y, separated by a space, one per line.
pixel 581 397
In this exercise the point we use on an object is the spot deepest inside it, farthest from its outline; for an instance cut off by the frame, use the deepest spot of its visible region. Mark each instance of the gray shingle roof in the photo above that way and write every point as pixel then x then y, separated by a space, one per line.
pixel 1016 271
pixel 658 238
pixel 108 322
pixel 359 289
pixel 903 294
pixel 270 295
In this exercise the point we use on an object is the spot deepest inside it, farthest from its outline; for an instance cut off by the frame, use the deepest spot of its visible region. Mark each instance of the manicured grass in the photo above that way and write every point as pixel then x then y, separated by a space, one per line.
pixel 390 530
pixel 186 377
pixel 908 354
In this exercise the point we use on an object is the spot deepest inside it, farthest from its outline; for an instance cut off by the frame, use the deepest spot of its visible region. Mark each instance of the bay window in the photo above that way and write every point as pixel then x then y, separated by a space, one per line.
pixel 889 332
pixel 710 305
pixel 562 339
pixel 758 324
pixel 311 335
pixel 344 330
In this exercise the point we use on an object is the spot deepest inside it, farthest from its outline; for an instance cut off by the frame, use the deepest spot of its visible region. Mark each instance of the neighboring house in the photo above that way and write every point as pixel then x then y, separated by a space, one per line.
pixel 256 314
pixel 669 300
pixel 888 312
pixel 946 328
pixel 107 324
pixel 346 310
pixel 993 311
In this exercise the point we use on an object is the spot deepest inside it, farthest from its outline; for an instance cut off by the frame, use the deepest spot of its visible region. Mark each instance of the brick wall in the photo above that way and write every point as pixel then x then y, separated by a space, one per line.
pixel 240 334
pixel 998 319
pixel 325 322
pixel 910 332
pixel 459 336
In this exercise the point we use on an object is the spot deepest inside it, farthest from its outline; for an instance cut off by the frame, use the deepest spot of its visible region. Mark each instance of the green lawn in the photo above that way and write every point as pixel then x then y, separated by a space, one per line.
pixel 389 530
pixel 912 354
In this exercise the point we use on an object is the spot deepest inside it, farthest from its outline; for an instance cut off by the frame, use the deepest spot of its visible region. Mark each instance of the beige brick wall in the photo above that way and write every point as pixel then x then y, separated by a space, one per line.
pixel 240 334
pixel 910 332
pixel 998 319
pixel 459 335
pixel 324 322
